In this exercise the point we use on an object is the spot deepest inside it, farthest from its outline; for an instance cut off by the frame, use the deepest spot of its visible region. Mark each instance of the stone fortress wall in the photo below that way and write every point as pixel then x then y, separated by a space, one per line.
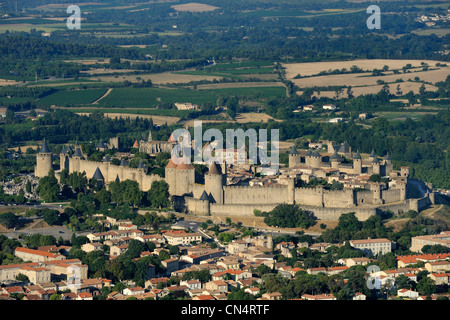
pixel 215 197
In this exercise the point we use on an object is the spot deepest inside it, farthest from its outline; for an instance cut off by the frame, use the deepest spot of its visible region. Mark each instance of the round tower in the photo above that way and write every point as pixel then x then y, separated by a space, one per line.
pixel 404 172
pixel 376 166
pixel 335 160
pixel 204 204
pixel 185 178
pixel 291 190
pixel 316 158
pixel 308 158
pixel 388 167
pixel 357 163
pixel 171 176
pixel 43 161
pixel 74 164
pixel 214 183
pixel 294 157
pixel 64 159
pixel 375 188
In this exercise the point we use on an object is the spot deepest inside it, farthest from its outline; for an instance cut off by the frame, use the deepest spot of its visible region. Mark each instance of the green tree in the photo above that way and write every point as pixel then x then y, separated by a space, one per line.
pixel 48 188
pixel 9 220
pixel 163 255
pixel 240 294
pixel 433 249
pixel 349 222
pixel 426 286
pixel 289 216
pixel 403 282
pixel 23 278
pixel 158 195
pixel 103 196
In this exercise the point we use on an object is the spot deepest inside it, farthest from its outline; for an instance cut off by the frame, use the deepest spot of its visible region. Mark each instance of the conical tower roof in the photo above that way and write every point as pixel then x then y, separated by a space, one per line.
pixel 373 154
pixel 101 145
pixel 123 163
pixel 171 164
pixel 335 156
pixel 345 147
pixel 293 150
pixel 315 153
pixel 77 153
pixel 141 165
pixel 185 166
pixel 44 148
pixel 107 158
pixel 214 168
pixel 388 157
pixel 64 150
pixel 204 196
pixel 357 156
pixel 98 174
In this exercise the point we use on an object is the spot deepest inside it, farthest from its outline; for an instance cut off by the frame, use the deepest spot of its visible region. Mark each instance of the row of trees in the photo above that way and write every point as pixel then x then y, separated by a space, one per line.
pixel 288 216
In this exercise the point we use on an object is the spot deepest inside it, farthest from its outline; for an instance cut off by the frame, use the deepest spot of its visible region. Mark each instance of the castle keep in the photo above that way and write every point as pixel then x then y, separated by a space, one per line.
pixel 218 195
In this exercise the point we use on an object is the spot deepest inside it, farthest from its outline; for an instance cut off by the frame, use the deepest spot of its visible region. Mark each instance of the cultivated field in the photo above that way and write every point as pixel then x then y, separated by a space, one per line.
pixel 239 85
pixel 364 82
pixel 160 78
pixel 194 7
pixel 157 120
pixel 405 87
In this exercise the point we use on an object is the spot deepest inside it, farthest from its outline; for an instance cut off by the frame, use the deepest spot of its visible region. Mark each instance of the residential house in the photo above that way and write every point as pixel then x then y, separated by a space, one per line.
pixel 318 297
pixel 157 239
pixel 193 284
pixel 171 265
pixel 372 246
pixel 359 296
pixel 204 297
pixel 271 296
pixel 92 246
pixel 217 285
pixel 176 239
pixel 252 290
pixel 37 255
pixel 406 293
pixel 417 243
pixel 118 250
pixel 440 278
pixel 404 261
pixel 336 270
pixel 316 270
pixel 133 291
pixel 85 296
pixel 229 263
pixel 349 262
pixel 437 266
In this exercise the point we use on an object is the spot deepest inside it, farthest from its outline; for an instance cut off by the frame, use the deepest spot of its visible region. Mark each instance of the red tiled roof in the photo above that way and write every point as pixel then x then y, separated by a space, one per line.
pixel 37 252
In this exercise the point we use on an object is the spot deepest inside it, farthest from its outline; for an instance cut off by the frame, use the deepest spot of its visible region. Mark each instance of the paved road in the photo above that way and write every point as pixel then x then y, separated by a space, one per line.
pixel 195 226
pixel 56 231
pixel 192 225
